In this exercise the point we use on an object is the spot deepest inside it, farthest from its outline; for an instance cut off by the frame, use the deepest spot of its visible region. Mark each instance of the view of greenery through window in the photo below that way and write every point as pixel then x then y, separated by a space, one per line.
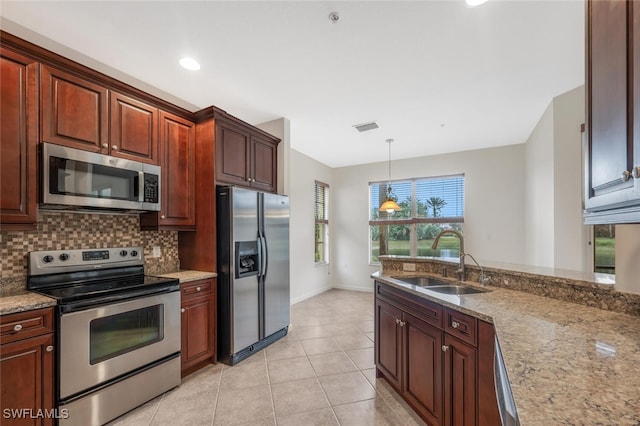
pixel 604 252
pixel 428 206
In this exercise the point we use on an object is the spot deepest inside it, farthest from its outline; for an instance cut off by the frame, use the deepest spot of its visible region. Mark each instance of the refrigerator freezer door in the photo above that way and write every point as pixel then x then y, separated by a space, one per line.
pixel 276 280
pixel 244 290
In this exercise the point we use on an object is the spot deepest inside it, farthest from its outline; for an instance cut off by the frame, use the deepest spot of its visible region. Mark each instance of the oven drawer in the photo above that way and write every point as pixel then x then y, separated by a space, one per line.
pixel 27 324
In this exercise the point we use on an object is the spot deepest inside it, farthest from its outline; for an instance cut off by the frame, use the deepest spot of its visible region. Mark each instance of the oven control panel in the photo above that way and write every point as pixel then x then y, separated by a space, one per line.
pixel 54 261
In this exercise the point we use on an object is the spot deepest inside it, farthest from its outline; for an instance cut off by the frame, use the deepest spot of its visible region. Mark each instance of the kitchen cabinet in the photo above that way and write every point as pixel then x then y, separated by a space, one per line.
pixel 198 325
pixel 178 186
pixel 19 134
pixel 26 366
pixel 79 113
pixel 612 166
pixel 439 360
pixel 245 156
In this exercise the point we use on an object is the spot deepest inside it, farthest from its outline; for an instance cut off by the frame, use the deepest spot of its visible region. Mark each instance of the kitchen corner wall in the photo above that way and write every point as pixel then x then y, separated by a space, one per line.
pixel 66 230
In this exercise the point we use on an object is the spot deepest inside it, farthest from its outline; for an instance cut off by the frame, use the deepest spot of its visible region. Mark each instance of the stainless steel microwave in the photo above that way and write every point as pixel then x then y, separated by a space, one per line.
pixel 82 179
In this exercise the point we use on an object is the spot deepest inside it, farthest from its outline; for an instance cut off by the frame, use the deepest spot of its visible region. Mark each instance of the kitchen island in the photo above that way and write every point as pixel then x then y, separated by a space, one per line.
pixel 566 363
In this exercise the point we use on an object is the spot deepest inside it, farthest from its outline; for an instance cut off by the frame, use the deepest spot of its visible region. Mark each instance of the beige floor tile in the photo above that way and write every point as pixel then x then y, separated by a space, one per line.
pixel 313 332
pixel 298 396
pixel 371 336
pixel 284 349
pixel 321 345
pixel 355 340
pixel 243 405
pixel 193 403
pixel 331 363
pixel 346 388
pixel 402 409
pixel 362 358
pixel 290 369
pixel 140 416
pixel 366 326
pixel 367 413
pixel 381 386
pixel 249 372
pixel 324 417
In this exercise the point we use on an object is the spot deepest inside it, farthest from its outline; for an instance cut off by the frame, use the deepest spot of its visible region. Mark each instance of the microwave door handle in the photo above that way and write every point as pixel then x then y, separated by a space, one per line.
pixel 141 186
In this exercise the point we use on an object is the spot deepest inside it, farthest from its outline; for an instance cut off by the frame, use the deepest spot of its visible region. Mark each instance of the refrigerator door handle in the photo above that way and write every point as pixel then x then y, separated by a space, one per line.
pixel 265 256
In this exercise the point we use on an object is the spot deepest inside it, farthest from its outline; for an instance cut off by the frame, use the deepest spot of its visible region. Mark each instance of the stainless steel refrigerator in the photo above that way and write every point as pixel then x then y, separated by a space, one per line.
pixel 253 271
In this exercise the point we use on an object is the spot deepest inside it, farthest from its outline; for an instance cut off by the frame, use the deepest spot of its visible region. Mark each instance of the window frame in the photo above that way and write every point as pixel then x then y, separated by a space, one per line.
pixel 321 221
pixel 414 220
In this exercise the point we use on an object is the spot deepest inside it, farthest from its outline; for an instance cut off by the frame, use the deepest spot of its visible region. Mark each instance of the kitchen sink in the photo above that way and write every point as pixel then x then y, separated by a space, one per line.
pixel 440 286
pixel 423 281
pixel 457 289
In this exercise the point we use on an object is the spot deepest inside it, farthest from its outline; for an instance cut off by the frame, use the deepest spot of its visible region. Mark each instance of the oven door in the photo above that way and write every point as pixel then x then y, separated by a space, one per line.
pixel 99 344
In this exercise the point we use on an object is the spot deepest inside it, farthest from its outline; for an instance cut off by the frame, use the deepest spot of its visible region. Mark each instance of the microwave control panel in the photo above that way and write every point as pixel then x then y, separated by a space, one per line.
pixel 151 188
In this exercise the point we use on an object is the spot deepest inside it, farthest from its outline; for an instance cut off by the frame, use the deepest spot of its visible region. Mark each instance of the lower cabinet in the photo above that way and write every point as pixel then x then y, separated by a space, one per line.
pixel 432 356
pixel 198 307
pixel 26 368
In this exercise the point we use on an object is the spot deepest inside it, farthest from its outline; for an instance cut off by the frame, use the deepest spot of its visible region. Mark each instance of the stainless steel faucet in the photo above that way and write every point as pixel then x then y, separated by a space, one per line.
pixel 482 280
pixel 460 271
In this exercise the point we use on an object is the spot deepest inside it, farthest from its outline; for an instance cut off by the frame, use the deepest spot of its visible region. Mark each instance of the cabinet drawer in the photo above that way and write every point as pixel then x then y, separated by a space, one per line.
pixel 414 305
pixel 197 288
pixel 23 325
pixel 462 326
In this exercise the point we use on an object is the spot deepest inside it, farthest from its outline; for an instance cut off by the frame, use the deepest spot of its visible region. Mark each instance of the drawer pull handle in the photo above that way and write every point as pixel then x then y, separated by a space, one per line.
pixel 49 348
pixel 445 348
pixel 455 324
pixel 198 288
pixel 17 327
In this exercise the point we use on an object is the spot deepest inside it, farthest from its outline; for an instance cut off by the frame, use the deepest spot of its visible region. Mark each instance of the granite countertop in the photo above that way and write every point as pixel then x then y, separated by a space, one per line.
pixel 567 363
pixel 186 275
pixel 20 300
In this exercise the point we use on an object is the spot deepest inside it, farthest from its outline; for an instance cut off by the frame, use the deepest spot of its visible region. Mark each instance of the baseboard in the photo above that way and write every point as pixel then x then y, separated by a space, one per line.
pixel 354 288
pixel 308 295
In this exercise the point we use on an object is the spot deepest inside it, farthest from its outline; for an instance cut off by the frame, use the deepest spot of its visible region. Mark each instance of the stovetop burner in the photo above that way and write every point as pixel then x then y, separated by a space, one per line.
pixel 82 278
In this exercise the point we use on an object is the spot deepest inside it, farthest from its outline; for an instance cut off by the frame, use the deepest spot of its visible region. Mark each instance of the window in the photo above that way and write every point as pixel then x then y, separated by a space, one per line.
pixel 322 223
pixel 428 205
pixel 604 248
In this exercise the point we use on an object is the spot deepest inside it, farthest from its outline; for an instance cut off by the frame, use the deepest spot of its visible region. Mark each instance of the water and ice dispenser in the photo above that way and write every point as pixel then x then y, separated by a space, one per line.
pixel 247 260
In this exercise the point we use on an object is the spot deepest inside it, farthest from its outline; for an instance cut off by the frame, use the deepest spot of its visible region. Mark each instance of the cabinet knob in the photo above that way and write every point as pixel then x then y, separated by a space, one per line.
pixel 163 217
pixel 626 175
pixel 397 320
pixel 114 147
pixel 455 324
pixel 198 289
pixel 445 348
pixel 17 327
pixel 402 323
pixel 182 310
pixel 105 145
pixel 248 179
pixel 49 348
pixel 636 172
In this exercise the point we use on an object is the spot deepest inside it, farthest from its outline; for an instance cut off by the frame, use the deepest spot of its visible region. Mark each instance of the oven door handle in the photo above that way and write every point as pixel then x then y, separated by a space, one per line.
pixel 80 305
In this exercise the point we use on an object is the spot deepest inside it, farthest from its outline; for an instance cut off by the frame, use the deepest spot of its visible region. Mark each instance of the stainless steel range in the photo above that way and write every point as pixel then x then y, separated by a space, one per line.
pixel 118 330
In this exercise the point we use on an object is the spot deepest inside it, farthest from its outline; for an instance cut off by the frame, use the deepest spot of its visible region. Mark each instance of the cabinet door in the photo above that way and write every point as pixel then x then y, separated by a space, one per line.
pixel 460 372
pixel 197 344
pixel 232 155
pixel 74 111
pixel 422 361
pixel 19 135
pixel 264 164
pixel 26 368
pixel 610 149
pixel 134 129
pixel 388 342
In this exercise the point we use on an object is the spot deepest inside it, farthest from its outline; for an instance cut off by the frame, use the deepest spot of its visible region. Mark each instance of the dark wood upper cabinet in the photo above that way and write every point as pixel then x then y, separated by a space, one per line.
pixel 19 136
pixel 134 129
pixel 612 167
pixel 245 155
pixel 178 189
pixel 75 111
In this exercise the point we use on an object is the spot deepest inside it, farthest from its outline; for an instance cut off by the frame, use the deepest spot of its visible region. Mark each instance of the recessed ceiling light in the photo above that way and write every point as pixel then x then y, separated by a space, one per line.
pixel 474 3
pixel 190 64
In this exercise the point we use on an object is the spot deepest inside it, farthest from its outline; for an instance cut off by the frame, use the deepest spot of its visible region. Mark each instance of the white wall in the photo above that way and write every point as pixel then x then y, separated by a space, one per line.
pixel 494 207
pixel 307 279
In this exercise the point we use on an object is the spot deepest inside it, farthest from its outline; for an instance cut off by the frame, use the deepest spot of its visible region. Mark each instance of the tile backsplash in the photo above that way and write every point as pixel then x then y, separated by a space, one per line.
pixel 68 230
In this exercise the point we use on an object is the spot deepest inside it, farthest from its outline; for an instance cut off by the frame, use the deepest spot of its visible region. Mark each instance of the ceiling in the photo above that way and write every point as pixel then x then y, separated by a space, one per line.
pixel 437 76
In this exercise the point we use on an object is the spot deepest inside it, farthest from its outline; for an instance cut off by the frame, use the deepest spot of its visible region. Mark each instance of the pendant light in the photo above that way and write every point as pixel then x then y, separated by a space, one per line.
pixel 390 204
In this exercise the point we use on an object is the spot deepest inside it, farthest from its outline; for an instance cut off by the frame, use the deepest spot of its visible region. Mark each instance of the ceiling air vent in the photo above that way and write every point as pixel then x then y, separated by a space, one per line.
pixel 366 126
